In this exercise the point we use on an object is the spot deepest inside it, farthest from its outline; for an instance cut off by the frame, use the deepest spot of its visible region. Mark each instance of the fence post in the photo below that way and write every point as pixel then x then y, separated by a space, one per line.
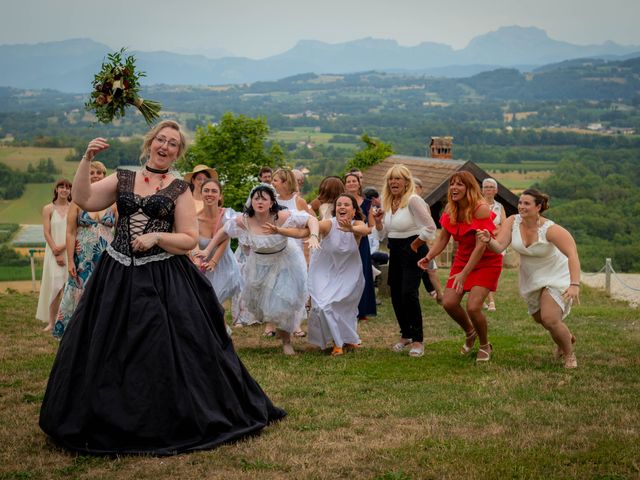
pixel 607 276
pixel 33 270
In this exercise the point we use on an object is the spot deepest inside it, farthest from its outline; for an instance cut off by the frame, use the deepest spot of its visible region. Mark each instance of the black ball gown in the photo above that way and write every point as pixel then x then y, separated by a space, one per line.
pixel 146 365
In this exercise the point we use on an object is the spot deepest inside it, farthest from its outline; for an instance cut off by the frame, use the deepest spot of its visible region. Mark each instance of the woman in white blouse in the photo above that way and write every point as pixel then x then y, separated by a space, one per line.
pixel 405 221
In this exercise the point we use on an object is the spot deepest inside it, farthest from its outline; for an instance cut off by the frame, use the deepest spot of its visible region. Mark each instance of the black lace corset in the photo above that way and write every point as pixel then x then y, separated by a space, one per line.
pixel 138 215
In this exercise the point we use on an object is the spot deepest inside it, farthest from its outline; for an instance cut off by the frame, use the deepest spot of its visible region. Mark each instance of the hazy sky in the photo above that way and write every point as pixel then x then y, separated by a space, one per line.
pixel 260 28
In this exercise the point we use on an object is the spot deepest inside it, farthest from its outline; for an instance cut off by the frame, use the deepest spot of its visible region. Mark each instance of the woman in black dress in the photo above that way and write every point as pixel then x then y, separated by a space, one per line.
pixel 146 365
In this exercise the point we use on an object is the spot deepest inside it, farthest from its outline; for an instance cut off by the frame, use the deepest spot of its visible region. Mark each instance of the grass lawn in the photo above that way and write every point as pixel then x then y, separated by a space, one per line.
pixel 377 414
pixel 28 208
pixel 20 157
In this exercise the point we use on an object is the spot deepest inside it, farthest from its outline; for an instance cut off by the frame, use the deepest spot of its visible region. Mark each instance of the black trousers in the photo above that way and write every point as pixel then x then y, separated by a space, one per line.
pixel 404 282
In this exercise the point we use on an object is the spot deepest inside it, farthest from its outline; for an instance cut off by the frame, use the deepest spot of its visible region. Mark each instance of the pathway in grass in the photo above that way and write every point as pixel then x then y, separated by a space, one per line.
pixel 624 286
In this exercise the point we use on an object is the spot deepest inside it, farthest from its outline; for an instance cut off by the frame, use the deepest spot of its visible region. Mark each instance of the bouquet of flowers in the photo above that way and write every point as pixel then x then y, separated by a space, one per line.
pixel 116 86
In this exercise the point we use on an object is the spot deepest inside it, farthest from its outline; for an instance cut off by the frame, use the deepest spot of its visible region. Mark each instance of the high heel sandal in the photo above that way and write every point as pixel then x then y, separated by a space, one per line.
pixel 558 354
pixel 471 337
pixel 401 345
pixel 486 351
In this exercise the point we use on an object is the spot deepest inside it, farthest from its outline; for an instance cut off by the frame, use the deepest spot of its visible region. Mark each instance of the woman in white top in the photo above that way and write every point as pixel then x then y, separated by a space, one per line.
pixel 336 281
pixel 405 221
pixel 218 264
pixel 549 267
pixel 286 185
pixel 489 191
pixel 276 280
pixel 54 272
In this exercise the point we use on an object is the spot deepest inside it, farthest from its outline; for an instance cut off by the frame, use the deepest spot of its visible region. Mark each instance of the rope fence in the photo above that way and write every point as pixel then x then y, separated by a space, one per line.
pixel 609 272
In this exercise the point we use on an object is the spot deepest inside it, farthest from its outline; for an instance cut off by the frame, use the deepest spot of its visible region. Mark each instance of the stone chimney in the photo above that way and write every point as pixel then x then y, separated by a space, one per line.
pixel 441 147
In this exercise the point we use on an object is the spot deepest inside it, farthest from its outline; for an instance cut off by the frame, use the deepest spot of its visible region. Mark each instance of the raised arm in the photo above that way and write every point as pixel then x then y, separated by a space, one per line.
pixel 502 239
pixel 97 196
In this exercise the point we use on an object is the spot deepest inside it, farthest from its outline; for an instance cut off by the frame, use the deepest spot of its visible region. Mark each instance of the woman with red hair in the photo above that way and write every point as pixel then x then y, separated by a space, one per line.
pixel 475 269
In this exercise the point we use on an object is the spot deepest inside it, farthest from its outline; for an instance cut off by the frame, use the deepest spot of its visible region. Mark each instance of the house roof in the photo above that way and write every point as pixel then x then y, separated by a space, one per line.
pixel 435 174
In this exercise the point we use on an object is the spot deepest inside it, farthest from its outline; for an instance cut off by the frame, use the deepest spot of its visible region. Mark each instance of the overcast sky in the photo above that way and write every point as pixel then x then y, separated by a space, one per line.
pixel 260 28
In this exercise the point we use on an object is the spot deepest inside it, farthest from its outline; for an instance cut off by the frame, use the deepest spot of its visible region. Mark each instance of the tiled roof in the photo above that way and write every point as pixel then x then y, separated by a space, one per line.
pixel 435 173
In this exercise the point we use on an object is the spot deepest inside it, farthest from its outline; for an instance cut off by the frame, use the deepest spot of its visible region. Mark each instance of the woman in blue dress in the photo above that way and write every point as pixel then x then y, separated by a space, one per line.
pixel 146 365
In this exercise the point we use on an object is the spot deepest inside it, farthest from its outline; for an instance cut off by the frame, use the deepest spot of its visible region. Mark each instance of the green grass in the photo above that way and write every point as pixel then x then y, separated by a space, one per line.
pixel 377 414
pixel 19 158
pixel 14 274
pixel 28 208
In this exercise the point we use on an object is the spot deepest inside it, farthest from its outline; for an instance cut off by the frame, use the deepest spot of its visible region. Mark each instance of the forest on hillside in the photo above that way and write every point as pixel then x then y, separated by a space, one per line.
pixel 580 120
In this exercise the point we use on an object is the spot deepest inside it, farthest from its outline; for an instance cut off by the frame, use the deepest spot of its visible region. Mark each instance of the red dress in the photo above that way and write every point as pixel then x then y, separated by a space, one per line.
pixel 487 271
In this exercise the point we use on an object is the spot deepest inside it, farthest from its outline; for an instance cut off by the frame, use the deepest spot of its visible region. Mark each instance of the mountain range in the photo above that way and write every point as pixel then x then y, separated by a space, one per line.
pixel 69 65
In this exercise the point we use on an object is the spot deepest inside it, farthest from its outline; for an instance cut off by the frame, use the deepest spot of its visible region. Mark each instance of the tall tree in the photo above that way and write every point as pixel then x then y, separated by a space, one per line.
pixel 374 152
pixel 235 148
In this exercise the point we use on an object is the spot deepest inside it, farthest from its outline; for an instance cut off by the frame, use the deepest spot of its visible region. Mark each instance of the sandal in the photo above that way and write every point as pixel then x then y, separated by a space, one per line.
pixel 570 361
pixel 471 337
pixel 401 345
pixel 337 351
pixel 299 334
pixel 558 354
pixel 417 351
pixel 486 351
pixel 491 307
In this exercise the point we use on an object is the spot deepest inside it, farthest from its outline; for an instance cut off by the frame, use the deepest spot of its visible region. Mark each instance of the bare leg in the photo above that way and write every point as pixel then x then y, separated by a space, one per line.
pixel 53 312
pixel 435 281
pixel 475 302
pixel 491 302
pixel 287 348
pixel 451 303
pixel 550 317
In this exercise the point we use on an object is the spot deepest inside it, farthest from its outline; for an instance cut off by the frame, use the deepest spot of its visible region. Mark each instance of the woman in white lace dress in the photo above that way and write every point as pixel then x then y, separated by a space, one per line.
pixel 276 273
pixel 549 267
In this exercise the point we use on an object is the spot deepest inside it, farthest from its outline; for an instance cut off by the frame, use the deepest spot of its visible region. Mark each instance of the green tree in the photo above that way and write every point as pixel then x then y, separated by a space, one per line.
pixel 235 148
pixel 373 152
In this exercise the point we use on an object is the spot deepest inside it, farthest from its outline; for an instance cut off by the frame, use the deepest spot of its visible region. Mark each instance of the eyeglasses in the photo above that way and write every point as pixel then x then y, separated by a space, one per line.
pixel 170 142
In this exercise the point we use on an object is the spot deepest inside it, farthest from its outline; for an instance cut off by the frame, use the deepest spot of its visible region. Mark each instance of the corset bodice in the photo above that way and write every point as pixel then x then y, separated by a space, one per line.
pixel 139 215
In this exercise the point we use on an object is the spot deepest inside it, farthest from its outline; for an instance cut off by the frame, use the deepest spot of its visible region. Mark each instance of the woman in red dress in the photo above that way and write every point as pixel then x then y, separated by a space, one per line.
pixel 475 269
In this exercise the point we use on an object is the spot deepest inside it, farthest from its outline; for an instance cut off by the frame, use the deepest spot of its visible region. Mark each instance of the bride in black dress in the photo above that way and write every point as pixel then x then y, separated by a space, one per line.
pixel 146 365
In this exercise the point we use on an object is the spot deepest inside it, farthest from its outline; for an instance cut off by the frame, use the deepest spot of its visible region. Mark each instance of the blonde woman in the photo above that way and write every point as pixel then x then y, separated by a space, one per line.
pixel 407 224
pixel 146 365
pixel 88 234
pixel 54 272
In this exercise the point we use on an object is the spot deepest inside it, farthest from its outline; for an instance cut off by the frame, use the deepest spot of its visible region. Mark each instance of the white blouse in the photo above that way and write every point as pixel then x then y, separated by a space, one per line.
pixel 414 219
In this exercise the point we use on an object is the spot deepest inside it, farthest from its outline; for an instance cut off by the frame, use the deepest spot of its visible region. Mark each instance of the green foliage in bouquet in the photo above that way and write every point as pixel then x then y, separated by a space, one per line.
pixel 116 87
